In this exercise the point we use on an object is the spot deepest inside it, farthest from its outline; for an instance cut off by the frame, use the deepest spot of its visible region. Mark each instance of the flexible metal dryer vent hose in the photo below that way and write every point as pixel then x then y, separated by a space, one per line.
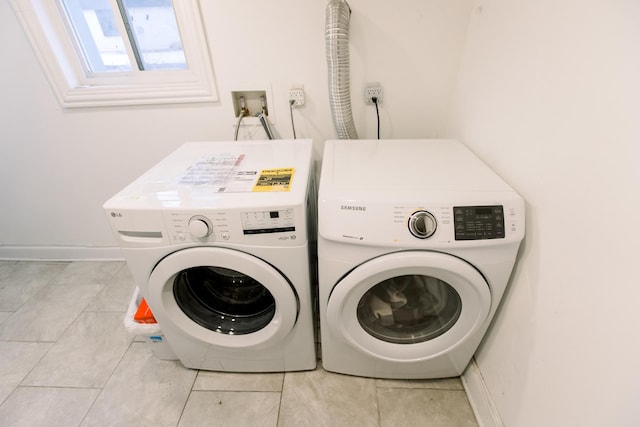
pixel 337 46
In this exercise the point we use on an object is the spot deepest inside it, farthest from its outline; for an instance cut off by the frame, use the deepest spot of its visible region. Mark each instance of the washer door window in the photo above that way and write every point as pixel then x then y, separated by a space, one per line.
pixel 223 297
pixel 409 306
pixel 224 300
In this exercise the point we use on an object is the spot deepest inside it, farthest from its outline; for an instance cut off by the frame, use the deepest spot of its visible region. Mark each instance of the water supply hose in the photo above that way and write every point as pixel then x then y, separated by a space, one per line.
pixel 337 47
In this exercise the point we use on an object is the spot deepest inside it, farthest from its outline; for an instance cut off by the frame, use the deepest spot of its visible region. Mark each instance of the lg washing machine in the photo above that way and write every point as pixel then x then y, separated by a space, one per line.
pixel 417 241
pixel 218 237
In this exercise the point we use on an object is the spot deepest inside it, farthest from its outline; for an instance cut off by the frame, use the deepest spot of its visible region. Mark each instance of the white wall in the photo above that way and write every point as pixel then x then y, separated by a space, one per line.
pixel 58 166
pixel 549 95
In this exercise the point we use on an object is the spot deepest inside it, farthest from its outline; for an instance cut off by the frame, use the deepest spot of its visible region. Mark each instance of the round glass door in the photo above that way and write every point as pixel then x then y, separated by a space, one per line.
pixel 409 305
pixel 409 309
pixel 224 300
pixel 223 297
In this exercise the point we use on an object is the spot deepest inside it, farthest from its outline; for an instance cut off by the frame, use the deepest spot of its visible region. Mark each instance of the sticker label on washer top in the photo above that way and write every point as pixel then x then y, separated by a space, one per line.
pixel 274 180
pixel 224 174
pixel 214 170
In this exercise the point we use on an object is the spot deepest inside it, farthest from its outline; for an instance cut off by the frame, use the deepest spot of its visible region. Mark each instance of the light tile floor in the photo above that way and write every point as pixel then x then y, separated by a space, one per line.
pixel 67 360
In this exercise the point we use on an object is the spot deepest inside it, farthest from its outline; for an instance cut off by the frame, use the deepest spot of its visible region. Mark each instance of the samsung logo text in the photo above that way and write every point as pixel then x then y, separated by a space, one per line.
pixel 353 208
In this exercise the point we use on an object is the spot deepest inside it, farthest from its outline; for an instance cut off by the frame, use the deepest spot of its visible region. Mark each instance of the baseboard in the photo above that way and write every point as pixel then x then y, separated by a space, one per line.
pixel 480 398
pixel 61 253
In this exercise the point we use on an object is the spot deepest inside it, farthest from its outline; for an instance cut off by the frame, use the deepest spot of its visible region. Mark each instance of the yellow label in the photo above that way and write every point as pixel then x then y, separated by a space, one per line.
pixel 274 179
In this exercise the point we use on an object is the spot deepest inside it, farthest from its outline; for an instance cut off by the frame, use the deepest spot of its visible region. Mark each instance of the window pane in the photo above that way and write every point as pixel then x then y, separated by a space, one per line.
pixel 95 28
pixel 152 25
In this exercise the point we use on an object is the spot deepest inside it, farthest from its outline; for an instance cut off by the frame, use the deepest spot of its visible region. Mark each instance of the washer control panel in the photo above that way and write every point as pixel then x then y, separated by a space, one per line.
pixel 478 222
pixel 200 227
pixel 255 227
pixel 187 227
pixel 272 221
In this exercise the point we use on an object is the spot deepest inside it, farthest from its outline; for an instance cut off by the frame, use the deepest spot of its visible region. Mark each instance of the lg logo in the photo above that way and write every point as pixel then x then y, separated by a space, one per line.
pixel 116 214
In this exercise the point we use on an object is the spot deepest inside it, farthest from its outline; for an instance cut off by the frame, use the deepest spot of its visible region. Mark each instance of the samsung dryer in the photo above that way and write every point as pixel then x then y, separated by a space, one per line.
pixel 218 236
pixel 417 241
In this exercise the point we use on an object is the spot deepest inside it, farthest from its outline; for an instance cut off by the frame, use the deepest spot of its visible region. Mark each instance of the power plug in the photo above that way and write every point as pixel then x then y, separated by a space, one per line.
pixel 297 96
pixel 373 90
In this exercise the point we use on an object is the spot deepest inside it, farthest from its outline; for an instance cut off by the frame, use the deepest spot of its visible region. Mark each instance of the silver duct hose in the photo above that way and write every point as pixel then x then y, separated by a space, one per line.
pixel 337 44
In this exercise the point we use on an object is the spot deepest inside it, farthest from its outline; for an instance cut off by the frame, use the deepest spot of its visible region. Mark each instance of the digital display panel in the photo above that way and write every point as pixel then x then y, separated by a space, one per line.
pixel 479 222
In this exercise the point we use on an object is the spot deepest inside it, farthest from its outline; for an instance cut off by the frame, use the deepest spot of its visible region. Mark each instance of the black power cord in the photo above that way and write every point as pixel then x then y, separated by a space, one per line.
pixel 293 126
pixel 374 99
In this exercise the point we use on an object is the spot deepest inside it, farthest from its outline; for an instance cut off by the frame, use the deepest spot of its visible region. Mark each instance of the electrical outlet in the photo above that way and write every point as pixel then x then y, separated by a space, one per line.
pixel 297 96
pixel 373 90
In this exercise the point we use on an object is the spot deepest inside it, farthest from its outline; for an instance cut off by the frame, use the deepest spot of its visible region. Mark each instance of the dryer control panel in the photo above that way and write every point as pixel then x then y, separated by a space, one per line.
pixel 478 222
pixel 438 224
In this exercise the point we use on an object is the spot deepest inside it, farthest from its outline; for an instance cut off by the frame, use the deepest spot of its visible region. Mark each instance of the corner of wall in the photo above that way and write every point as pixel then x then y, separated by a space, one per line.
pixel 479 397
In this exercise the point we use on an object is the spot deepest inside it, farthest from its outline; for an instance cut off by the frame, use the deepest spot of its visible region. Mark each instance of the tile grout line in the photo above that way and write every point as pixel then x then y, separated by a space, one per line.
pixel 186 401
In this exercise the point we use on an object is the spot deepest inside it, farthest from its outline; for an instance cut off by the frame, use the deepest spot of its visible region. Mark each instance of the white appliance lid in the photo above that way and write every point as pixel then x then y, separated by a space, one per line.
pixel 217 174
pixel 408 165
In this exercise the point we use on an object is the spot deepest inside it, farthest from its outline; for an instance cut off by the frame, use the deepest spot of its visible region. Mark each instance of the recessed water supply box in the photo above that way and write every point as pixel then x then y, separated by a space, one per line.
pixel 251 103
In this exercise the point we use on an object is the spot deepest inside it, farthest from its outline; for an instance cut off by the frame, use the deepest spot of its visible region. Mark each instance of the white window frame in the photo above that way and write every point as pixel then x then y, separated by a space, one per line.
pixel 55 45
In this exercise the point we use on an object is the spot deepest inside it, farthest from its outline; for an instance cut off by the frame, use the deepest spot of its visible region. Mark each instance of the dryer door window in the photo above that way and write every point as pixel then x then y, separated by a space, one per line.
pixel 224 300
pixel 409 305
pixel 409 309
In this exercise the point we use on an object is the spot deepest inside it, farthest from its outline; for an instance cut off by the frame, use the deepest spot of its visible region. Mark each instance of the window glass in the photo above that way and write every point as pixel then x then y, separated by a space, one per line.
pixel 154 33
pixel 409 309
pixel 97 34
pixel 150 28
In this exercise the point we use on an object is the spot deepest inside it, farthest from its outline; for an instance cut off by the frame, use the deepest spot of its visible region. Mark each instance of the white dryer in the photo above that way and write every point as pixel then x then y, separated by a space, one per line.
pixel 417 241
pixel 218 237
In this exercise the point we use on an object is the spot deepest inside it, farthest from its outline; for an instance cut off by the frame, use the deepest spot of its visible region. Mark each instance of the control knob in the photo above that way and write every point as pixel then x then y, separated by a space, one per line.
pixel 422 224
pixel 199 227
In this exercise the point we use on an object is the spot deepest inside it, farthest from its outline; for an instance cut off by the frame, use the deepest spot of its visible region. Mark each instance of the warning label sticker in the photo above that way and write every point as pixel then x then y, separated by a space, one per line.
pixel 274 180
pixel 215 170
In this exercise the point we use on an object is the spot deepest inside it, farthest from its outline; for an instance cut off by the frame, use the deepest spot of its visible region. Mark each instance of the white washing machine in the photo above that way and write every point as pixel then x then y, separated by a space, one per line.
pixel 218 236
pixel 417 241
